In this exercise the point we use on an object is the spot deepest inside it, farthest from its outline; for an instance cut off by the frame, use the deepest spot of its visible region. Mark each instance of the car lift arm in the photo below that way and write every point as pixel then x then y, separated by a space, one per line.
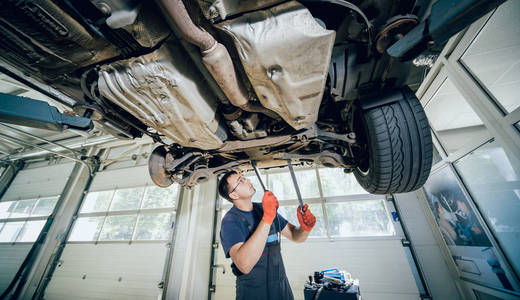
pixel 446 19
pixel 38 114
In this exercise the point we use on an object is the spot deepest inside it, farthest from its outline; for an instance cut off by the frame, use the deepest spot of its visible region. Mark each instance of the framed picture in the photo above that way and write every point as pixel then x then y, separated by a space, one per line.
pixel 469 245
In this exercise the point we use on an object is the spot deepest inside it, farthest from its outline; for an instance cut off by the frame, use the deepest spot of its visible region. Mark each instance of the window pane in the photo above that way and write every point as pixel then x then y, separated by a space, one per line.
pixel 494 56
pixel 23 208
pixel 153 226
pixel 308 183
pixel 257 197
pixel 289 213
pixel 44 207
pixel 157 197
pixel 127 199
pixel 97 201
pixel 86 229
pixel 335 182
pixel 118 228
pixel 494 182
pixel 474 255
pixel 319 229
pixel 10 232
pixel 282 186
pixel 30 231
pixel 6 208
pixel 358 218
pixel 457 125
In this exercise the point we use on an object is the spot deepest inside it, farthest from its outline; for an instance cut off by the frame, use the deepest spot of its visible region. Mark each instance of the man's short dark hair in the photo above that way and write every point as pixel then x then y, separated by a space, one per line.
pixel 223 186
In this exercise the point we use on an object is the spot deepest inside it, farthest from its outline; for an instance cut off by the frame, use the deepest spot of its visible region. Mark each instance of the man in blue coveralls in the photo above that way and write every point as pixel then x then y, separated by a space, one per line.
pixel 250 236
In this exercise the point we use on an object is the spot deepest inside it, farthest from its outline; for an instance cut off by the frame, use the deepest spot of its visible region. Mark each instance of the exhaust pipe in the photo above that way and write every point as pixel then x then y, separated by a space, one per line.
pixel 214 55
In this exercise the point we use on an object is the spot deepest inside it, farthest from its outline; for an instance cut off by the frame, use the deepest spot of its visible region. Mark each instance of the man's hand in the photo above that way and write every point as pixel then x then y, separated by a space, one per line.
pixel 270 205
pixel 308 220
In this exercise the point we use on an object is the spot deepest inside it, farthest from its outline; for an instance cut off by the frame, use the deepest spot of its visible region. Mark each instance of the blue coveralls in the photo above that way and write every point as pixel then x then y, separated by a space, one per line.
pixel 267 280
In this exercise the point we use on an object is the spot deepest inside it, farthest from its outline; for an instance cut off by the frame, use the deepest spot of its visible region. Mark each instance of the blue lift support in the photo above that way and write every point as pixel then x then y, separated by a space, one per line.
pixel 447 17
pixel 38 114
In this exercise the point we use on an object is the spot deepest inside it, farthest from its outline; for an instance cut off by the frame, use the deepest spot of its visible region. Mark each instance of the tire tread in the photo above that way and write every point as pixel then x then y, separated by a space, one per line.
pixel 401 147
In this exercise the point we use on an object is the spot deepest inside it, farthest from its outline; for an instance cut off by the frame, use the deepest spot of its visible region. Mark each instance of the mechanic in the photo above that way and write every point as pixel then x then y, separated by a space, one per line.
pixel 250 236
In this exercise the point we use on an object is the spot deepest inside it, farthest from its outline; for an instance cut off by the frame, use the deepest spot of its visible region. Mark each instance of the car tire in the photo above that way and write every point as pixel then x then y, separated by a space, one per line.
pixel 399 146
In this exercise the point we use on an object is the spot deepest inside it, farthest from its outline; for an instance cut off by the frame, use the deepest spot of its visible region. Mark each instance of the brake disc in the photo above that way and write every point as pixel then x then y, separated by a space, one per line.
pixel 156 166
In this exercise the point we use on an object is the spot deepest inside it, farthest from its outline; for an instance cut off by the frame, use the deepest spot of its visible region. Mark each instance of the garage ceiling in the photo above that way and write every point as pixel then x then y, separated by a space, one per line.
pixel 15 145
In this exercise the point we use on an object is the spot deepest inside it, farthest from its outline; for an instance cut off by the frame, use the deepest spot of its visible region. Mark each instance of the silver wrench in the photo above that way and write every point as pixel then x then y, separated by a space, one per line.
pixel 253 163
pixel 295 185
pixel 291 170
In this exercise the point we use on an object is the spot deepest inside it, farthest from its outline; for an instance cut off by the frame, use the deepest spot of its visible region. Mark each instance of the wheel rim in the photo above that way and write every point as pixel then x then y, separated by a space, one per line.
pixel 362 172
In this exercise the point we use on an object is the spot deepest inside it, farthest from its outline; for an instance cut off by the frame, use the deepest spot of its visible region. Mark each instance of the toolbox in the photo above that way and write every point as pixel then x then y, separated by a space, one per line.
pixel 351 294
pixel 331 284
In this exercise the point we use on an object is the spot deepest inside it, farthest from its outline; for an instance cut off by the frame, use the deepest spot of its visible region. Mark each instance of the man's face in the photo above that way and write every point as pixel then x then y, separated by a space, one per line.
pixel 240 187
pixel 461 206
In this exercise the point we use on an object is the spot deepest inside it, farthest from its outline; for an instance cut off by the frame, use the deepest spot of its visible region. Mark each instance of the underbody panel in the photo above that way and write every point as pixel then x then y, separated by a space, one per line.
pixel 285 54
pixel 167 94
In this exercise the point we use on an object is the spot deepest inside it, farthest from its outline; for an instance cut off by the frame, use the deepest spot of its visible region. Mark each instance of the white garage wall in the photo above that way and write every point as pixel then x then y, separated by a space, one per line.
pixel 110 271
pixel 380 265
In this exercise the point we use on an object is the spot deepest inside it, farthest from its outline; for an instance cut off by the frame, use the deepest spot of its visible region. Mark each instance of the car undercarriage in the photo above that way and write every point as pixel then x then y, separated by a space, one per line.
pixel 220 83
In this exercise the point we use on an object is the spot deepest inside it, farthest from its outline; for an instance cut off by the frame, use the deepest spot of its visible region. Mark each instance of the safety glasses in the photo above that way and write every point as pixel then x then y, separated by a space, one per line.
pixel 241 180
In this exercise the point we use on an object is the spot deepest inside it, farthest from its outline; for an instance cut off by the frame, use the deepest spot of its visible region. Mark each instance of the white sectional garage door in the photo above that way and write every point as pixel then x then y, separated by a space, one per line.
pixel 121 178
pixel 108 271
pixel 39 182
pixel 23 209
pixel 118 245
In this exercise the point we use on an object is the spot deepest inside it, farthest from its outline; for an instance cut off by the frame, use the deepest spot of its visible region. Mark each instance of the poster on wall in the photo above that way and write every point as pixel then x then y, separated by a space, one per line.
pixel 469 245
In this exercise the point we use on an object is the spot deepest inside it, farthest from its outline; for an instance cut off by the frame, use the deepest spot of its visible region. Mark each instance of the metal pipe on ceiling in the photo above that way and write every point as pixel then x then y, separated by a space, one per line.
pixel 6 137
pixel 15 143
pixel 40 138
pixel 16 140
pixel 72 143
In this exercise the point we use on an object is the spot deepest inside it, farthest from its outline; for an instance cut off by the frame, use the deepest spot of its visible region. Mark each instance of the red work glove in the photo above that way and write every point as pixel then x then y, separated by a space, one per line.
pixel 308 220
pixel 270 205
